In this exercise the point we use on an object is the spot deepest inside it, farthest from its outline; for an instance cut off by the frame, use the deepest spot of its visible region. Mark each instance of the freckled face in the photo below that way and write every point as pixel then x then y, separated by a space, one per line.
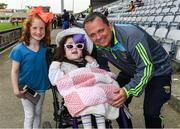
pixel 99 32
pixel 37 29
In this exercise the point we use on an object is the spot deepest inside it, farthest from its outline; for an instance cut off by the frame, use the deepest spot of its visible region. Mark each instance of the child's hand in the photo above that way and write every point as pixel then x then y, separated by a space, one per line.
pixel 89 59
pixel 20 93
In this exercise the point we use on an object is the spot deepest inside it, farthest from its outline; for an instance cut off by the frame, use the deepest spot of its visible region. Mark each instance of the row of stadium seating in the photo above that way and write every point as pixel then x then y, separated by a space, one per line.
pixel 161 19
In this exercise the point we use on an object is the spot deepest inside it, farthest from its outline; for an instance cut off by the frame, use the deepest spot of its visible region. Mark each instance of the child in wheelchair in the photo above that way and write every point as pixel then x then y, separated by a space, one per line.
pixel 85 88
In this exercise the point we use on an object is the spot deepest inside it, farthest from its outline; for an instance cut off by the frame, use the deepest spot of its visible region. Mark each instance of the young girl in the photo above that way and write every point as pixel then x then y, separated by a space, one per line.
pixel 29 66
pixel 73 54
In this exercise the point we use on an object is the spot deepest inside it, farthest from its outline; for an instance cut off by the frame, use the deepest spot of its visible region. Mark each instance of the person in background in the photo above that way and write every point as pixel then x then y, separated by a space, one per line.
pixel 12 22
pixel 82 15
pixel 106 12
pixel 139 3
pixel 29 66
pixel 65 20
pixel 54 22
pixel 59 21
pixel 131 7
pixel 72 20
pixel 17 22
pixel 145 65
pixel 142 2
pixel 90 9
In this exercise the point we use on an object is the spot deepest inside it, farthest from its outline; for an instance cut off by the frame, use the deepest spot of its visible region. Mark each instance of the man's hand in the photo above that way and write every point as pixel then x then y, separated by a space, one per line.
pixel 119 98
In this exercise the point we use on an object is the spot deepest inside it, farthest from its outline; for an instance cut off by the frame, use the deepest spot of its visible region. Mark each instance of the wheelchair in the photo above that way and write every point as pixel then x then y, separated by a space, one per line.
pixel 62 117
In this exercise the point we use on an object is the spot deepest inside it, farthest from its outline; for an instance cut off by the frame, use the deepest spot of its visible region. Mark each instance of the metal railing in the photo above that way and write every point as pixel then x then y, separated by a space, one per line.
pixel 9 37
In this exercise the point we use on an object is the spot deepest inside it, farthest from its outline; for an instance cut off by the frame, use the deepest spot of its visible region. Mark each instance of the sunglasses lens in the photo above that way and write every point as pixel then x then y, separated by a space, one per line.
pixel 69 46
pixel 80 46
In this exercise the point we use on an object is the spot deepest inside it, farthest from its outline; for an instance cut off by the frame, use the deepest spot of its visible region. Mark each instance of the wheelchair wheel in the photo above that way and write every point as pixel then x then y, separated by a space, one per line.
pixel 46 125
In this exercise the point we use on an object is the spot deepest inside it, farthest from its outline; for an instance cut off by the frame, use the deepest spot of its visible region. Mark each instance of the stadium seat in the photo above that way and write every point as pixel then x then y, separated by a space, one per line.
pixel 177 18
pixel 151 30
pixel 174 10
pixel 169 46
pixel 168 18
pixel 161 32
pixel 174 25
pixel 177 56
pixel 174 34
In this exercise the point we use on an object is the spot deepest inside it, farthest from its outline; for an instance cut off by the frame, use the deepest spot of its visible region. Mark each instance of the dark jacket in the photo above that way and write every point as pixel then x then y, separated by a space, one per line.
pixel 137 54
pixel 65 16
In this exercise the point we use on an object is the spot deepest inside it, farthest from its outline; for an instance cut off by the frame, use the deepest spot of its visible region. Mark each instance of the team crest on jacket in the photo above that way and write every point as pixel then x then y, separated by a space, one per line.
pixel 124 55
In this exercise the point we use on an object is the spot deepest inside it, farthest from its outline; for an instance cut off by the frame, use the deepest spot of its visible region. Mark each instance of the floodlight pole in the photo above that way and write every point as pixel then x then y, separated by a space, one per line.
pixel 73 7
pixel 21 4
pixel 62 5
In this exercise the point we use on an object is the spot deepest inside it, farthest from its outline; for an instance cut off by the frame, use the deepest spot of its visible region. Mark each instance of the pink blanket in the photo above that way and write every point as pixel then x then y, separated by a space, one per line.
pixel 86 87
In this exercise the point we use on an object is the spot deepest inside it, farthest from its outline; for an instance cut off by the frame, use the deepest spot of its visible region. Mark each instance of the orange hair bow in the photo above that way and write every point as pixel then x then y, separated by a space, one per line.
pixel 46 17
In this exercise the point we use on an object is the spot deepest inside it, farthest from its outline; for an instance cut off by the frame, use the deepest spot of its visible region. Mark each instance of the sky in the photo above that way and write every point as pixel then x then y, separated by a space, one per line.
pixel 78 6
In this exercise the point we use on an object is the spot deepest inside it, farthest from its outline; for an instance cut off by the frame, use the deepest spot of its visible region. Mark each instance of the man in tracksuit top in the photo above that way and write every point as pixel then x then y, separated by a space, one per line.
pixel 144 64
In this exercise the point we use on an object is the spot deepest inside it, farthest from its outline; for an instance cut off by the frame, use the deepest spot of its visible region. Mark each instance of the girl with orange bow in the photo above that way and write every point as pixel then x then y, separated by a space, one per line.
pixel 29 66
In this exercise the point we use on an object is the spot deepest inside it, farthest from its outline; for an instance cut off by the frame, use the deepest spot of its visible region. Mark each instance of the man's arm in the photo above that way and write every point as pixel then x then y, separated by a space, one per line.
pixel 140 53
pixel 144 68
